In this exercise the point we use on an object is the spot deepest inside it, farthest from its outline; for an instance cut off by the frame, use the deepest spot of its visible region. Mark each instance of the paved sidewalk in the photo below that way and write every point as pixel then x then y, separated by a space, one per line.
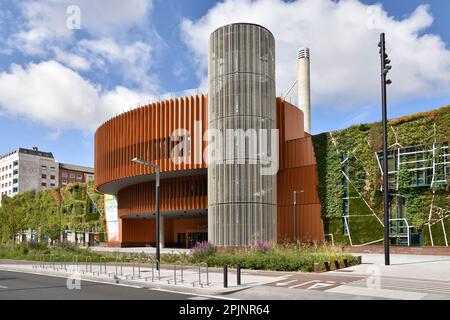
pixel 418 267
pixel 191 280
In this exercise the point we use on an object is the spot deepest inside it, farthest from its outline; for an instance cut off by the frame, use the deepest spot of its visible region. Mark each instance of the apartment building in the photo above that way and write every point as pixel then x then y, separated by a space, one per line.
pixel 27 169
pixel 69 173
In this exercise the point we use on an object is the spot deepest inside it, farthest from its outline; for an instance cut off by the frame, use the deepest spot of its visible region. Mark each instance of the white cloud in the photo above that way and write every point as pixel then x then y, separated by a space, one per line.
pixel 44 22
pixel 59 98
pixel 343 38
pixel 72 60
pixel 134 59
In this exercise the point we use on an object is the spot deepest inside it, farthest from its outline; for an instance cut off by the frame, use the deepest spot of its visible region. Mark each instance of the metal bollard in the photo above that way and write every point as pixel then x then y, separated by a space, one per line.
pixel 238 274
pixel 225 276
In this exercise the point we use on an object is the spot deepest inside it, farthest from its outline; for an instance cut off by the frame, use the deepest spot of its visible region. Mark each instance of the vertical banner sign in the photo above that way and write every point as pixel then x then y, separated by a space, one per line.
pixel 111 216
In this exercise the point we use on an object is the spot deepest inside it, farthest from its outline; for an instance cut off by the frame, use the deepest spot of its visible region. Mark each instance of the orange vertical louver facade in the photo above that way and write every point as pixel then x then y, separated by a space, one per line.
pixel 147 133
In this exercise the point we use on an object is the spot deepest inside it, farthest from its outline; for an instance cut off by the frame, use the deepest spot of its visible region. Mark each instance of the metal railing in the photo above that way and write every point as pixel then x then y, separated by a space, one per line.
pixel 180 264
pixel 75 262
pixel 206 270
pixel 137 262
pixel 88 259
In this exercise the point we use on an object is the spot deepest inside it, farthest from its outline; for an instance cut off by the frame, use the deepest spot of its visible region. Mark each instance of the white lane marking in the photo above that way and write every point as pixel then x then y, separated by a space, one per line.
pixel 319 285
pixel 285 283
pixel 193 294
pixel 3 287
pixel 301 284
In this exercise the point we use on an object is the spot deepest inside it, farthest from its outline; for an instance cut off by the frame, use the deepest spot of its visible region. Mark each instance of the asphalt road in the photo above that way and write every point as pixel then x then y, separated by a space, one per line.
pixel 23 286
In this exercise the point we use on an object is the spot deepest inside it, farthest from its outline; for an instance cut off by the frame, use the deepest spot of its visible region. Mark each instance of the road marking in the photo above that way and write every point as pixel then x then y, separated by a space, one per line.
pixel 301 284
pixel 3 287
pixel 193 294
pixel 284 283
pixel 320 285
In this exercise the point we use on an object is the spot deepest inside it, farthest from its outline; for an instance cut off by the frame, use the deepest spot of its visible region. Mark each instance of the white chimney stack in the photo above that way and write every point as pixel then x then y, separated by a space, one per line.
pixel 304 89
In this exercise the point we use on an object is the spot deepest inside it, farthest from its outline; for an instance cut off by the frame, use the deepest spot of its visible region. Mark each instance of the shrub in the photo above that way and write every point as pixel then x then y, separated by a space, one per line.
pixel 37 245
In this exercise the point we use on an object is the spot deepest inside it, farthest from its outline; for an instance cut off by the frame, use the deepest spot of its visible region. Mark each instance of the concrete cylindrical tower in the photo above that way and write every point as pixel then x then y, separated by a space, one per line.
pixel 304 89
pixel 241 96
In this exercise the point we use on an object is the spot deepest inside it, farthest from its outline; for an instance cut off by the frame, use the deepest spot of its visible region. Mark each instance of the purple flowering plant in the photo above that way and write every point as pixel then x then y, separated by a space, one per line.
pixel 202 249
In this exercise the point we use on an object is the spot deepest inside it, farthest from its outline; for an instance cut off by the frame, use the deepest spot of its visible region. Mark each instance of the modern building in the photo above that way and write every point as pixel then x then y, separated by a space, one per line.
pixel 230 160
pixel 69 173
pixel 27 169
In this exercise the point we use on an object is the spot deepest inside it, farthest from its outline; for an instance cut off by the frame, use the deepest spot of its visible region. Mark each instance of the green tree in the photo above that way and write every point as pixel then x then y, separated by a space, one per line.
pixel 13 216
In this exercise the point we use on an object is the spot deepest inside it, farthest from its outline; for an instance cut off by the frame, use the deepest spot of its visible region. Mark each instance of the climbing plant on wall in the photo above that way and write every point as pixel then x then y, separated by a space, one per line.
pixel 359 144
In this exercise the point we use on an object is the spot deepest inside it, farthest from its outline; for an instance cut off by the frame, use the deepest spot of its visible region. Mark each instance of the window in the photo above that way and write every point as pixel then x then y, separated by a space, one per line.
pixel 79 176
pixel 15 172
pixel 52 184
pixel 52 177
pixel 72 176
pixel 64 175
pixel 15 181
pixel 16 163
pixel 44 176
pixel 43 184
pixel 64 182
pixel 44 167
pixel 14 190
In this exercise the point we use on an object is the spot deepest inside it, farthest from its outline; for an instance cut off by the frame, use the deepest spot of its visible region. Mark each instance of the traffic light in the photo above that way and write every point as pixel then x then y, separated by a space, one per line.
pixel 385 61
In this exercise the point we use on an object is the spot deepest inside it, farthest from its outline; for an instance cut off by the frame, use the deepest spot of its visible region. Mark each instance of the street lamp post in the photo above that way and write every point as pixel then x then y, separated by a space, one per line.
pixel 295 213
pixel 385 67
pixel 157 171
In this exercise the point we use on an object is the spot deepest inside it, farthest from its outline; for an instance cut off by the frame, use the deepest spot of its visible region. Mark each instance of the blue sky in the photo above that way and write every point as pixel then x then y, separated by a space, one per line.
pixel 58 84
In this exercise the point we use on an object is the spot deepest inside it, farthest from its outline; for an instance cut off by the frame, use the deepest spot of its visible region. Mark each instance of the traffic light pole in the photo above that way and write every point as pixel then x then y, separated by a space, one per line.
pixel 384 70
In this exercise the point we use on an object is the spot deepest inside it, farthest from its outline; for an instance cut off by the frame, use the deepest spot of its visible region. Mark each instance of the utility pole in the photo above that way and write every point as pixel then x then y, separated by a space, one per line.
pixel 385 67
